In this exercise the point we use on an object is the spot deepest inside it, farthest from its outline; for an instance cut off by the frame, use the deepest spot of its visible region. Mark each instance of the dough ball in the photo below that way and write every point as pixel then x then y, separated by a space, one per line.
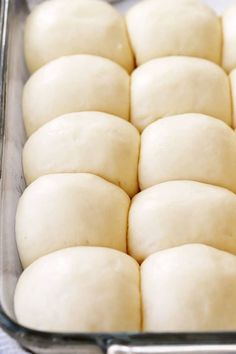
pixel 92 142
pixel 73 84
pixel 233 90
pixel 65 210
pixel 58 28
pixel 160 28
pixel 178 212
pixel 188 147
pixel 177 85
pixel 229 38
pixel 189 288
pixel 80 289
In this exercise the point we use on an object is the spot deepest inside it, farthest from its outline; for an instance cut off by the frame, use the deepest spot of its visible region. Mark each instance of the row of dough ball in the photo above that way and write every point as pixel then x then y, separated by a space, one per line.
pixel 159 88
pixel 93 289
pixel 68 210
pixel 181 147
pixel 153 29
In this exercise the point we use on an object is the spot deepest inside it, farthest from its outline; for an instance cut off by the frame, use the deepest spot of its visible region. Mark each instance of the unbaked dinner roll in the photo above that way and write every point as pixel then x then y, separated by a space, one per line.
pixel 160 28
pixel 178 212
pixel 176 85
pixel 57 28
pixel 229 38
pixel 80 289
pixel 188 147
pixel 65 210
pixel 73 84
pixel 93 142
pixel 233 90
pixel 189 288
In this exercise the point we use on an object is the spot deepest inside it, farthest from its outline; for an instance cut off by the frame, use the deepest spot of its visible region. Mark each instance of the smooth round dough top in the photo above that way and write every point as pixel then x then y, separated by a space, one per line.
pixel 58 28
pixel 80 289
pixel 189 288
pixel 160 28
pixel 229 38
pixel 188 147
pixel 74 84
pixel 93 142
pixel 65 210
pixel 175 213
pixel 177 85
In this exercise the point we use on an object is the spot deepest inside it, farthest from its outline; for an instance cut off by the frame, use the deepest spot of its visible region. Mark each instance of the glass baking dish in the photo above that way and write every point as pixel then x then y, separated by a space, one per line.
pixel 13 74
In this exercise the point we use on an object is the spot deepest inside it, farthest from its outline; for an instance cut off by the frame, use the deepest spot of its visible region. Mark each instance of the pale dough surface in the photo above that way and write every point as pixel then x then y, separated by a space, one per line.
pixel 233 91
pixel 188 147
pixel 229 38
pixel 80 289
pixel 160 28
pixel 189 288
pixel 58 28
pixel 73 84
pixel 65 210
pixel 93 142
pixel 175 213
pixel 176 85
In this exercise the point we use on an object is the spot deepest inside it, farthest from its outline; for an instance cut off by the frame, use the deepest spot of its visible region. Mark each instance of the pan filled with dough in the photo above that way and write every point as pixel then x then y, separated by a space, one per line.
pixel 118 176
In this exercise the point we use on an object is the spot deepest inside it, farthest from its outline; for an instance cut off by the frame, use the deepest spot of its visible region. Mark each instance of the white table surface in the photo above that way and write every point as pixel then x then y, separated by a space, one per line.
pixel 8 345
